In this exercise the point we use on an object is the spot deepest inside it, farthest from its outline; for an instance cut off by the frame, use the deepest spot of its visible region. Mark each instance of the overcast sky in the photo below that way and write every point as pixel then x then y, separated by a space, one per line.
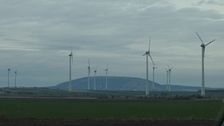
pixel 36 37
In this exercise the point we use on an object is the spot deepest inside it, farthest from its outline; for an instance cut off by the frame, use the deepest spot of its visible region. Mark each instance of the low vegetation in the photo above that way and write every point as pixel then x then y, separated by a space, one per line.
pixel 105 109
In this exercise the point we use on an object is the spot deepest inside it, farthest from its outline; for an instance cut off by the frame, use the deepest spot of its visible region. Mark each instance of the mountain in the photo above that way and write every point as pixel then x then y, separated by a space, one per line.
pixel 121 83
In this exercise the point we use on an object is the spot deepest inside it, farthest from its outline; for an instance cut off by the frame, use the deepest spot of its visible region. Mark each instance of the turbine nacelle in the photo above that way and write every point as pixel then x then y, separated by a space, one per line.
pixel 70 54
pixel 147 53
pixel 202 45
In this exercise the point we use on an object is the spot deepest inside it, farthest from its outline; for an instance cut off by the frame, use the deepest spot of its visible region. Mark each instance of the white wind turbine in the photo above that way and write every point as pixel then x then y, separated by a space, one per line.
pixel 147 54
pixel 106 70
pixel 8 77
pixel 169 79
pixel 94 86
pixel 203 46
pixel 153 75
pixel 15 78
pixel 89 74
pixel 70 71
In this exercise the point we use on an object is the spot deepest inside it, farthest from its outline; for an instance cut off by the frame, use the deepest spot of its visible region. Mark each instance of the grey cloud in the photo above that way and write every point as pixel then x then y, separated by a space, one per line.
pixel 215 2
pixel 102 31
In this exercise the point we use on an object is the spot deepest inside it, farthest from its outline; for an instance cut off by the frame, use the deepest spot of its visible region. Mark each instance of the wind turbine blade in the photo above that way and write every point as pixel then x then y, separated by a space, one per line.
pixel 210 42
pixel 199 37
pixel 72 57
pixel 107 67
pixel 168 67
pixel 144 54
pixel 151 59
pixel 149 43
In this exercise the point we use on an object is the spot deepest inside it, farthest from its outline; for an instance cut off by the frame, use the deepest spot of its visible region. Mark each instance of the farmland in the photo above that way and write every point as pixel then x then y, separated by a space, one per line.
pixel 95 109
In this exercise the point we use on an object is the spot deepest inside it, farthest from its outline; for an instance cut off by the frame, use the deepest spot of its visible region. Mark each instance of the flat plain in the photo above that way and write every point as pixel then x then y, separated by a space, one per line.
pixel 110 109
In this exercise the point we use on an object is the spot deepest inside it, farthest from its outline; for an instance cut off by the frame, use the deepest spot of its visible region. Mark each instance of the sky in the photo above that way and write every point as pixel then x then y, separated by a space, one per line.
pixel 36 37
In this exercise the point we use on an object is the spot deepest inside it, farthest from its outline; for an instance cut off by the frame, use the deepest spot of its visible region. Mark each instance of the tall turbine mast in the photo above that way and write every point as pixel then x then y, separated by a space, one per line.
pixel 153 76
pixel 70 71
pixel 203 46
pixel 94 79
pixel 106 70
pixel 88 74
pixel 169 80
pixel 8 77
pixel 15 78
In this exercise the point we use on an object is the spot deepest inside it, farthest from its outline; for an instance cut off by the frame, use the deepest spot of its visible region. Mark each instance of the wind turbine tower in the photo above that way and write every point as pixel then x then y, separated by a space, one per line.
pixel 147 54
pixel 8 77
pixel 94 79
pixel 15 78
pixel 88 74
pixel 106 70
pixel 70 71
pixel 169 78
pixel 203 46
pixel 153 76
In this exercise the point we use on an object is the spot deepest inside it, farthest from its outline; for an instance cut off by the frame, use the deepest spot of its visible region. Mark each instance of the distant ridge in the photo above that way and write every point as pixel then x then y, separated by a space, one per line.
pixel 121 83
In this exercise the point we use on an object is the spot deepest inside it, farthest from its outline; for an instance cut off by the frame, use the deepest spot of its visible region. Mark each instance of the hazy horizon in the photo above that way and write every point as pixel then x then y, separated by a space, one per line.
pixel 36 37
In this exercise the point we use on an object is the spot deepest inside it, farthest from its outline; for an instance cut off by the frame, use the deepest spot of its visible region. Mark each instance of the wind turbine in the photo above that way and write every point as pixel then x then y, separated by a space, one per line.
pixel 106 70
pixel 15 77
pixel 154 66
pixel 88 74
pixel 203 46
pixel 94 79
pixel 8 77
pixel 147 54
pixel 153 75
pixel 169 78
pixel 70 71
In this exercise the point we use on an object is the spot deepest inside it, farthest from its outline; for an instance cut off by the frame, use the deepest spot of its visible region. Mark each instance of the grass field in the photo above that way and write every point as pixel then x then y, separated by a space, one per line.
pixel 92 109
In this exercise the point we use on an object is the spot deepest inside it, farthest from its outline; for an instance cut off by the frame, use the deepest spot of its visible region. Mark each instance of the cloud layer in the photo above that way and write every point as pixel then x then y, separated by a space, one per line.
pixel 37 35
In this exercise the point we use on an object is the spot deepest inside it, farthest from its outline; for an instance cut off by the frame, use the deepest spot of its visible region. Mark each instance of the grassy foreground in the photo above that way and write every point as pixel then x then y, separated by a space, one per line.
pixel 92 109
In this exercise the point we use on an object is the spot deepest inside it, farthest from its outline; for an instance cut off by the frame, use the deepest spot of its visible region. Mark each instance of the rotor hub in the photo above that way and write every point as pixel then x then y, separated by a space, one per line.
pixel 203 45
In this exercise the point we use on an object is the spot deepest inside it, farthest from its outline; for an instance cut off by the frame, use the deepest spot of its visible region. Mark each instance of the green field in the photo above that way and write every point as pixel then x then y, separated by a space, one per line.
pixel 92 109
